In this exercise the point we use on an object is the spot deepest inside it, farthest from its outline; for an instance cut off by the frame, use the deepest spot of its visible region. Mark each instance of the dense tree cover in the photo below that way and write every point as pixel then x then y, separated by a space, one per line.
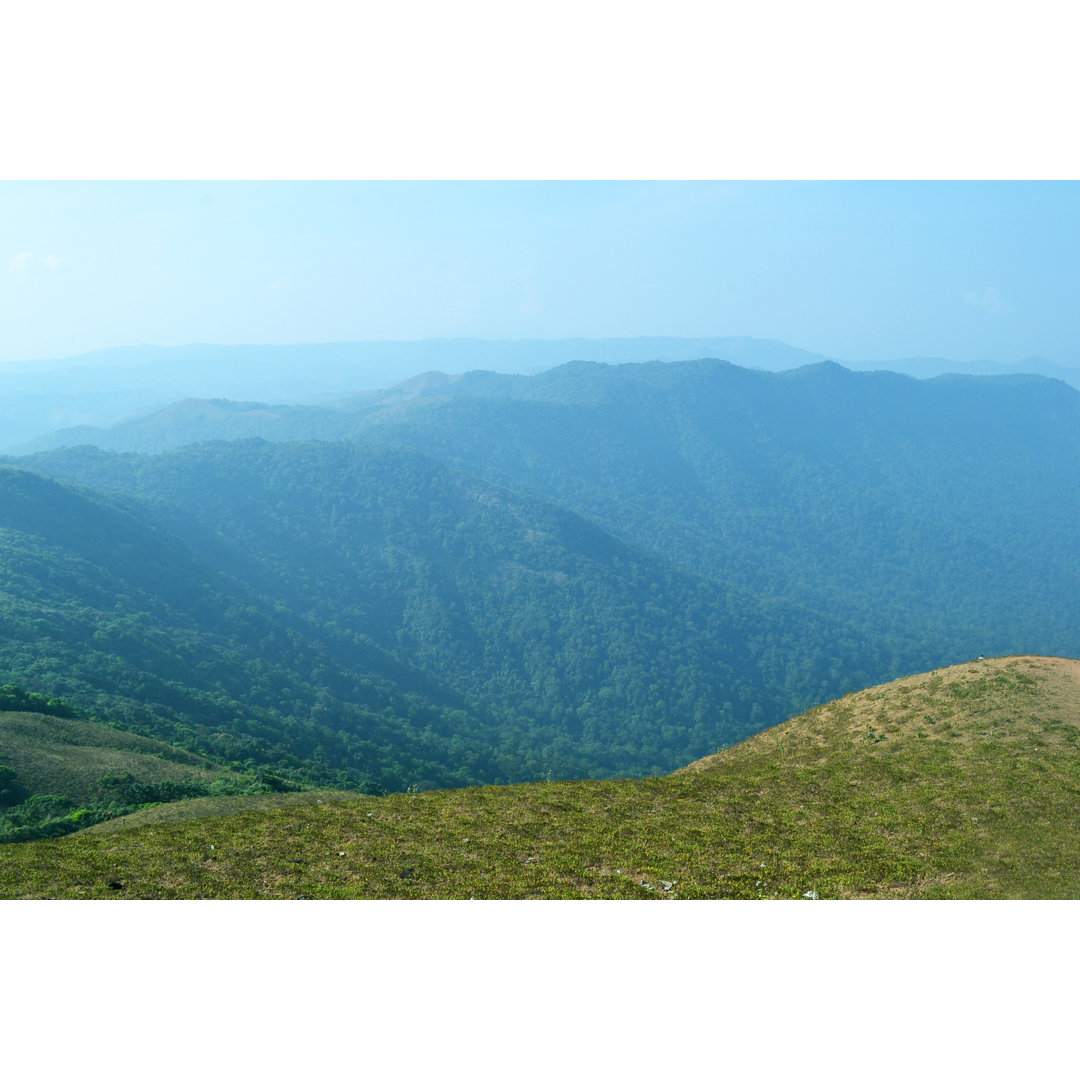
pixel 101 607
pixel 938 516
pixel 16 699
pixel 935 516
pixel 373 616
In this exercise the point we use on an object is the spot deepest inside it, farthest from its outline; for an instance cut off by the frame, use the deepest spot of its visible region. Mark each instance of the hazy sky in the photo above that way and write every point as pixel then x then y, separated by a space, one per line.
pixel 854 270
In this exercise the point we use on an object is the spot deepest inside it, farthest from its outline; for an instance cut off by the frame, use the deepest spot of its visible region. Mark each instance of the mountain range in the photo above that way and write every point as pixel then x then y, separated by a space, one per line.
pixel 600 570
pixel 101 389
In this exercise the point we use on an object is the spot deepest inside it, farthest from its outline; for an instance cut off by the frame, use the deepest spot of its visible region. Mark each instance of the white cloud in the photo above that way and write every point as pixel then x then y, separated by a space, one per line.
pixel 989 299
pixel 27 261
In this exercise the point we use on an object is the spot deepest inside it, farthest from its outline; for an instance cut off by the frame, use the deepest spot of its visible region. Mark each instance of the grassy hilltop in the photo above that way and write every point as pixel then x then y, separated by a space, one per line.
pixel 960 783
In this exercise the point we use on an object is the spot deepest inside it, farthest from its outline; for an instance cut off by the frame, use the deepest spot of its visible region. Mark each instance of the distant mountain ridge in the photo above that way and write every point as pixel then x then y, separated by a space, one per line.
pixel 930 367
pixel 104 387
pixel 353 416
pixel 97 390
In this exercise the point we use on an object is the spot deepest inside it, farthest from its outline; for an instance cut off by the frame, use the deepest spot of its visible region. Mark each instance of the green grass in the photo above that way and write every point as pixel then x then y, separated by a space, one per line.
pixel 62 774
pixel 212 807
pixel 963 783
pixel 64 756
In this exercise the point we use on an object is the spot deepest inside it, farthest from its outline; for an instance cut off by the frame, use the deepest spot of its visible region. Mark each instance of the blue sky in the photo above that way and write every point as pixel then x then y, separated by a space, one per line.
pixel 855 270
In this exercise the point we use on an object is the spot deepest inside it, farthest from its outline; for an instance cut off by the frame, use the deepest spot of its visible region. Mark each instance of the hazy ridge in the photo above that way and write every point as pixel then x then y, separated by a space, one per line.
pixel 71 400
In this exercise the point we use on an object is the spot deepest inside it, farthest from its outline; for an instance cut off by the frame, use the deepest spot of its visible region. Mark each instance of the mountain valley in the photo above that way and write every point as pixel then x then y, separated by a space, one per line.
pixel 485 583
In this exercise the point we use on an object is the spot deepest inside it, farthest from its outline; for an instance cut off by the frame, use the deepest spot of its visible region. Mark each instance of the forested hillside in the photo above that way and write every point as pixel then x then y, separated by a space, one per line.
pixel 939 515
pixel 320 607
pixel 936 515
pixel 102 607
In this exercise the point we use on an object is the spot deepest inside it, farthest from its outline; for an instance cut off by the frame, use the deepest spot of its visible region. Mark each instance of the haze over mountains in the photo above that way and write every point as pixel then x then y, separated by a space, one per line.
pixel 103 387
pixel 596 570
pixel 100 389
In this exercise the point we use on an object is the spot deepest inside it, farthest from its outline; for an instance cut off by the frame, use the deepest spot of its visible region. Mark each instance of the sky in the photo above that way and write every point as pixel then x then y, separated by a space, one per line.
pixel 859 271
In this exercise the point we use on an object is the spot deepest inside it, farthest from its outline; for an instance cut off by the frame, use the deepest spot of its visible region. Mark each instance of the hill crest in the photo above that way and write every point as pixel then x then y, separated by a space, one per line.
pixel 918 706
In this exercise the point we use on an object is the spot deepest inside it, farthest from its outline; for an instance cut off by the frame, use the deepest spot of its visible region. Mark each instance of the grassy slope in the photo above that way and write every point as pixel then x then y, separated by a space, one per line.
pixel 962 783
pixel 216 807
pixel 60 756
